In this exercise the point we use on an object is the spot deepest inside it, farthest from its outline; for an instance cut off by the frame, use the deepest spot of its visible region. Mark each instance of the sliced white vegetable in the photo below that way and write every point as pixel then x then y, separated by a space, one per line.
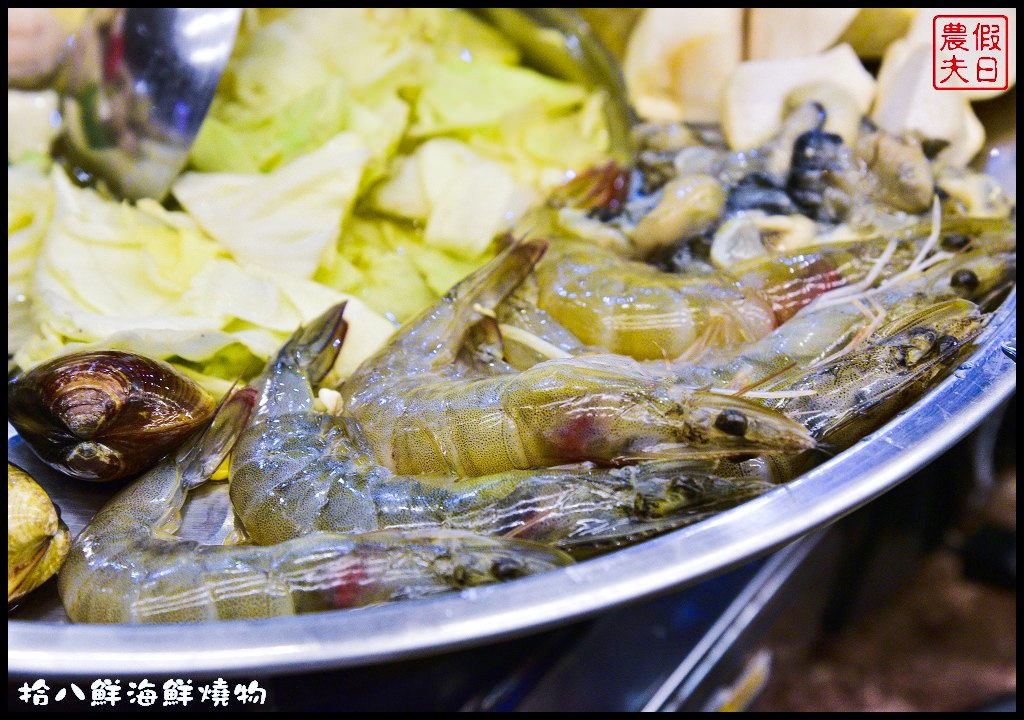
pixel 755 94
pixel 32 123
pixel 907 103
pixel 677 60
pixel 795 32
pixel 29 206
pixel 149 281
pixel 465 198
pixel 874 29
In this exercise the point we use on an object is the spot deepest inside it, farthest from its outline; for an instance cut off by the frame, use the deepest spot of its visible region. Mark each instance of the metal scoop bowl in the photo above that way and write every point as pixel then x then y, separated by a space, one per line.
pixel 136 85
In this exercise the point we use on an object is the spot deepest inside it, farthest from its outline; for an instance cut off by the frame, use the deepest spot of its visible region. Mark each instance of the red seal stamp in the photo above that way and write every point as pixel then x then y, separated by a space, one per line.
pixel 970 52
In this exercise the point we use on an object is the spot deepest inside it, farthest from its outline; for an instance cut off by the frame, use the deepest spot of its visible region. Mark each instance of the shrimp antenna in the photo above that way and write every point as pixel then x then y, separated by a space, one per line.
pixel 875 316
pixel 751 386
pixel 829 450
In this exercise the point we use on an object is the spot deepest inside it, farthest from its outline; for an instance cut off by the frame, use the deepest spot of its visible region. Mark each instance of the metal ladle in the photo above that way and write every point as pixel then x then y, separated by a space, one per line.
pixel 136 85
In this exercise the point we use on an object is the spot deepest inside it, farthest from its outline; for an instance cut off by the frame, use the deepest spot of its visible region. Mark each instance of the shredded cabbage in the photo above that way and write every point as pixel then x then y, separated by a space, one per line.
pixel 372 154
pixel 29 205
pixel 464 199
pixel 31 126
pixel 384 263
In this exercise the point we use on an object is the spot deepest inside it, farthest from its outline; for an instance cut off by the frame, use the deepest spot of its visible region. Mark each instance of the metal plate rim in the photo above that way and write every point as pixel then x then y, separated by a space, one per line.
pixel 358 637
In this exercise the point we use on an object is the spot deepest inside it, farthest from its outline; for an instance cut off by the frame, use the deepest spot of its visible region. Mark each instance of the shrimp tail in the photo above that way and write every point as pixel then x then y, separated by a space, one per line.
pixel 198 460
pixel 495 281
pixel 315 346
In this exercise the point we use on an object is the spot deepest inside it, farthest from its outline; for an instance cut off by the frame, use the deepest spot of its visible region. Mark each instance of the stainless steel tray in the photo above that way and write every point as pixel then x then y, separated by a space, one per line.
pixel 353 637
pixel 41 642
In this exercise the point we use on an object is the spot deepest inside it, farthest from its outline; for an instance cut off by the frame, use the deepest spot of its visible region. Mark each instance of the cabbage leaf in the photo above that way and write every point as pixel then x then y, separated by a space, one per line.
pixel 464 198
pixel 147 280
pixel 286 220
pixel 29 206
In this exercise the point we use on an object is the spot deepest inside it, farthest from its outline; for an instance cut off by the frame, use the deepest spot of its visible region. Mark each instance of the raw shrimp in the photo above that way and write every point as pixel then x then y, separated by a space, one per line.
pixel 128 566
pixel 818 336
pixel 635 309
pixel 296 470
pixel 571 506
pixel 302 471
pixel 843 400
pixel 420 412
pixel 574 507
pixel 847 398
pixel 973 269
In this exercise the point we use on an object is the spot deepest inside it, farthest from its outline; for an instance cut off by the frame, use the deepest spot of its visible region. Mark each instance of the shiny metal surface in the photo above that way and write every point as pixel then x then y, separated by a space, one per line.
pixel 137 84
pixel 41 642
pixel 347 638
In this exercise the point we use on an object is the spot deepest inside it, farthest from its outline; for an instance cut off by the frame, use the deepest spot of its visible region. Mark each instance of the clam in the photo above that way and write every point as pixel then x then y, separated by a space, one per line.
pixel 688 206
pixel 37 539
pixel 105 415
pixel 904 174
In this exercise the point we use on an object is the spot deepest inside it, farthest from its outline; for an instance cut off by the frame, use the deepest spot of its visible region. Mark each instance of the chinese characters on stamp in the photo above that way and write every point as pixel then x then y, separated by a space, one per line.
pixel 970 52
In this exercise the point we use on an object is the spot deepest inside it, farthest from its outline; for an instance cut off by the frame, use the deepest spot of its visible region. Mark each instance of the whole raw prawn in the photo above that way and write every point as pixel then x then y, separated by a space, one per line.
pixel 296 470
pixel 633 308
pixel 843 400
pixel 835 323
pixel 420 411
pixel 826 334
pixel 128 566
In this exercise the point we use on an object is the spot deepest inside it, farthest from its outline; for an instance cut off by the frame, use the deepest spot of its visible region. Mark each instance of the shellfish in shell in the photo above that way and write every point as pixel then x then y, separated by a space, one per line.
pixel 37 539
pixel 105 415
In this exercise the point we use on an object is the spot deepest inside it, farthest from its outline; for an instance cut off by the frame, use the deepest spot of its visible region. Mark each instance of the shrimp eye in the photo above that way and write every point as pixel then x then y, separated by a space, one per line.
pixel 732 422
pixel 955 241
pixel 965 280
pixel 506 569
pixel 927 335
pixel 922 339
pixel 946 343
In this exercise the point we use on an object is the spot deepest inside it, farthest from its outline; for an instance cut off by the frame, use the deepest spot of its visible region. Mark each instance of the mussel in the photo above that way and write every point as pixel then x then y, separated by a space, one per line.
pixel 105 415
pixel 37 539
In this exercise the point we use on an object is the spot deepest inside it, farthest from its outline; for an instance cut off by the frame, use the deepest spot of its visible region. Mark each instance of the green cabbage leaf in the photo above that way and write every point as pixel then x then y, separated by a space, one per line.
pixel 147 280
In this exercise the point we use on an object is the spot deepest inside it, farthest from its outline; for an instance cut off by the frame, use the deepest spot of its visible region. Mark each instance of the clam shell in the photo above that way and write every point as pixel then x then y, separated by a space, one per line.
pixel 37 539
pixel 105 415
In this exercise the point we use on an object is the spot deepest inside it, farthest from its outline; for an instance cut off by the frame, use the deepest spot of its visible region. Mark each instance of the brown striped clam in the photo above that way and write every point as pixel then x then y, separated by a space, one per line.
pixel 105 415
